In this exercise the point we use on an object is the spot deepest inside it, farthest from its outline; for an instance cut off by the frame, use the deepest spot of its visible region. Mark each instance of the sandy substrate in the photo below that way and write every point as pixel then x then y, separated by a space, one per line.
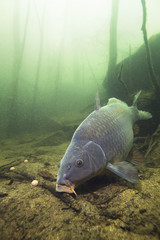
pixel 107 207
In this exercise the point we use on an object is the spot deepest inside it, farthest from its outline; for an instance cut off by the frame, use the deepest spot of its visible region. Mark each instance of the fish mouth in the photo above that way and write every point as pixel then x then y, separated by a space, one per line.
pixel 64 188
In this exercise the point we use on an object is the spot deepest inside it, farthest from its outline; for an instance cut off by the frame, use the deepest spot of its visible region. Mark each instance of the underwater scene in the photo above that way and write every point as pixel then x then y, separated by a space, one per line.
pixel 79 119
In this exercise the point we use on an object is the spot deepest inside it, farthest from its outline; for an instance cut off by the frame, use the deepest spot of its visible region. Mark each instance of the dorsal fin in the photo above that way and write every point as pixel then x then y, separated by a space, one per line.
pixel 115 100
pixel 136 99
pixel 97 101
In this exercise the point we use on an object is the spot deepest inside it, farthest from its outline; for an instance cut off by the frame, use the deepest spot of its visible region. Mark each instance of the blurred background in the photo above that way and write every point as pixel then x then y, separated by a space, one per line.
pixel 54 56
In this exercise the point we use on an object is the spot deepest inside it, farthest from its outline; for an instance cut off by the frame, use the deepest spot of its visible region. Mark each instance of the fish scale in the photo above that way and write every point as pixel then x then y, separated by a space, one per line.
pixel 102 141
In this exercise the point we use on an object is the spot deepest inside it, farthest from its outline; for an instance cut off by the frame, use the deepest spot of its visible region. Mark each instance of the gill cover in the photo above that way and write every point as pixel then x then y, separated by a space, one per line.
pixel 96 155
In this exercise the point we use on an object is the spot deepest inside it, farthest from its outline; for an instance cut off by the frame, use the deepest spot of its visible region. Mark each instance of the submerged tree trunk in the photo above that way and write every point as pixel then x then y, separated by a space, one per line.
pixel 36 84
pixel 154 80
pixel 112 45
pixel 12 126
pixel 58 74
pixel 60 59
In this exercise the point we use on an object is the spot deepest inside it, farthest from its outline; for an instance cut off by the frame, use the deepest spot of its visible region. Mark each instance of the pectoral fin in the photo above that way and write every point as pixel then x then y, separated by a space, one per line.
pixel 125 170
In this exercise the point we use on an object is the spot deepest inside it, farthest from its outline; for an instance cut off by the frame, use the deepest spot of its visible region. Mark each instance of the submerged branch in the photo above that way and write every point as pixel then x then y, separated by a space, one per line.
pixel 148 53
pixel 122 82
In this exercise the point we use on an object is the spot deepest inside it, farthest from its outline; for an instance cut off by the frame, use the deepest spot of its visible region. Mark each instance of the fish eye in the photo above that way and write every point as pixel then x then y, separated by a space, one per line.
pixel 79 163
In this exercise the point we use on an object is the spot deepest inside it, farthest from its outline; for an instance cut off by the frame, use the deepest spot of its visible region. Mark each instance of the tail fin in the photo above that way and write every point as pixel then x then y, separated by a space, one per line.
pixel 141 114
pixel 144 115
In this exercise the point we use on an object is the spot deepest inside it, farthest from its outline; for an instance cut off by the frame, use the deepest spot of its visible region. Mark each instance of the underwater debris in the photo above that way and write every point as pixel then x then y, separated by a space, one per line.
pixel 47 175
pixel 12 168
pixel 34 183
pixel 3 194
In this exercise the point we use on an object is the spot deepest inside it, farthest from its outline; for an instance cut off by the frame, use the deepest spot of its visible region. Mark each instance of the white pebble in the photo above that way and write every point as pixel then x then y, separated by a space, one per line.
pixel 12 168
pixel 34 183
pixel 25 161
